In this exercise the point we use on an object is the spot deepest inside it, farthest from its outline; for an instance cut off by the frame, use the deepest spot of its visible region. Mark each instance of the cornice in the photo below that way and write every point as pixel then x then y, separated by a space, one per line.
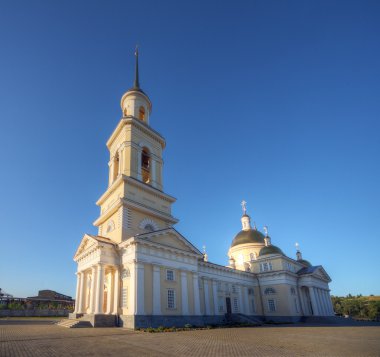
pixel 146 209
pixel 147 188
pixel 109 190
pixel 132 92
pixel 225 269
pixel 166 248
pixel 109 212
pixel 130 120
pixel 135 241
pixel 136 183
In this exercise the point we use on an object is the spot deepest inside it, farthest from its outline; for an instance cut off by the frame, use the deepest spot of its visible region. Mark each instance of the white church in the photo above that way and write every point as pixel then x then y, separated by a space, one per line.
pixel 139 271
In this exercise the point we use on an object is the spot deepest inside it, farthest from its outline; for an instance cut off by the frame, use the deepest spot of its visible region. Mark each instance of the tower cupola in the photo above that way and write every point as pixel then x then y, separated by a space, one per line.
pixel 245 219
pixel 267 238
pixel 135 103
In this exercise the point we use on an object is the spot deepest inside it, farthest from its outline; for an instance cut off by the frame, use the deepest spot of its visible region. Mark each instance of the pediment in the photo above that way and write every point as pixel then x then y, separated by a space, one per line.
pixel 170 238
pixel 322 274
pixel 315 271
pixel 89 242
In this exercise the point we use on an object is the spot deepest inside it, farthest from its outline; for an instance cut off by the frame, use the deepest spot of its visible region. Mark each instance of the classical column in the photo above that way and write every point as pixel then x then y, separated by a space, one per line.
pixel 140 301
pixel 77 293
pixel 156 290
pixel 246 302
pixel 81 293
pixel 215 296
pixel 314 302
pixel 329 303
pixel 197 304
pixel 320 301
pixel 109 292
pixel 326 302
pixel 207 298
pixel 99 289
pixel 184 293
pixel 116 291
pixel 110 175
pixel 323 298
pixel 139 154
pixel 241 302
pixel 93 287
pixel 153 171
pixel 121 160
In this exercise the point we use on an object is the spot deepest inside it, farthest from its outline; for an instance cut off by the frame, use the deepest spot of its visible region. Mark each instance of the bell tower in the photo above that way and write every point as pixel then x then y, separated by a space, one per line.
pixel 134 201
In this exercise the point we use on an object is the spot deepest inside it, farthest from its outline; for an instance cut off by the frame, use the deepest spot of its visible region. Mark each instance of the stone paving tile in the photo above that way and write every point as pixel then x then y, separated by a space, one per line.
pixel 20 338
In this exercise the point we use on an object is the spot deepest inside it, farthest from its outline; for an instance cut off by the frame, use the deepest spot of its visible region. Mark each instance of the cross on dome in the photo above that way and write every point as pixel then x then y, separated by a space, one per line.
pixel 244 206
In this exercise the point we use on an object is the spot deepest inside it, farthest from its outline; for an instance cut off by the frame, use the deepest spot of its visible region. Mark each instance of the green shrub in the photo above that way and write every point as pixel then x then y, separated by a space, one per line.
pixel 15 306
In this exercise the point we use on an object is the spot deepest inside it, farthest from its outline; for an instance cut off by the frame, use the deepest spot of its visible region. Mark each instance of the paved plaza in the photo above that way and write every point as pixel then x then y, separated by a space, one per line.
pixel 41 337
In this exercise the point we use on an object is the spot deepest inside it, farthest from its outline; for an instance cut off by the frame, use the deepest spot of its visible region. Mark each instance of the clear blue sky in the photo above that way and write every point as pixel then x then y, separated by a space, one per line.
pixel 274 102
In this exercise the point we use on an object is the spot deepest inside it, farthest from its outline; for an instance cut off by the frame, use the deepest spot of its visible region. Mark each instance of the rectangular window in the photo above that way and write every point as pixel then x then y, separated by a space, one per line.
pixel 171 299
pixel 266 267
pixel 170 275
pixel 124 297
pixel 220 304
pixel 219 286
pixel 236 305
pixel 271 305
pixel 250 291
pixel 234 289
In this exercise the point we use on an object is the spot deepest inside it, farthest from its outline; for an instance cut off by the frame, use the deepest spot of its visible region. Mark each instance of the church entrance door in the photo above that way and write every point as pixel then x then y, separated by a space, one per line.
pixel 228 304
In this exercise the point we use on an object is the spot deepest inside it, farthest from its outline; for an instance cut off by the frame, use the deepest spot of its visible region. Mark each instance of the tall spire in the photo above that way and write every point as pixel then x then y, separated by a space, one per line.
pixel 136 83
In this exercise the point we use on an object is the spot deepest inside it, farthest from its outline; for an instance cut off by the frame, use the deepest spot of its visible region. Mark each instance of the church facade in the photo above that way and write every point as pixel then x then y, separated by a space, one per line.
pixel 139 271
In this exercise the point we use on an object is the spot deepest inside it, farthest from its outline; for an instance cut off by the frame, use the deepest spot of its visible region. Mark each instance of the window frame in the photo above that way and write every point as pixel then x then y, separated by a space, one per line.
pixel 167 275
pixel 272 305
pixel 173 297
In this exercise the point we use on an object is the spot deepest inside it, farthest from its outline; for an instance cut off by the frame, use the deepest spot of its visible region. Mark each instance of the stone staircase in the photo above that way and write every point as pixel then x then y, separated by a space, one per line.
pixel 242 319
pixel 74 323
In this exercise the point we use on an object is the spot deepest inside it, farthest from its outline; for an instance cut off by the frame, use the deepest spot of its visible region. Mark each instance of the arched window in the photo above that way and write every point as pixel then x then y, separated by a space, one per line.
pixel 142 113
pixel 125 112
pixel 252 256
pixel 269 291
pixel 149 227
pixel 145 165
